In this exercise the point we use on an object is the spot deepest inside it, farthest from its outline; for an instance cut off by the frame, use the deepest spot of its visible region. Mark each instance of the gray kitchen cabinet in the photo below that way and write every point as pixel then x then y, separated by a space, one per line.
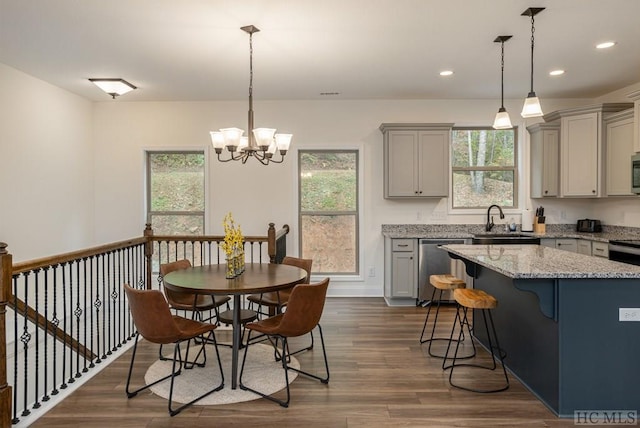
pixel 619 134
pixel 583 246
pixel 600 249
pixel 582 148
pixel 402 264
pixel 635 96
pixel 416 159
pixel 545 143
pixel 548 242
pixel 567 244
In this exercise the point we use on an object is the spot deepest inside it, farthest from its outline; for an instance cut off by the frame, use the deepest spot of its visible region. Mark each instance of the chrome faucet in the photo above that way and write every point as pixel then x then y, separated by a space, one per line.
pixel 490 224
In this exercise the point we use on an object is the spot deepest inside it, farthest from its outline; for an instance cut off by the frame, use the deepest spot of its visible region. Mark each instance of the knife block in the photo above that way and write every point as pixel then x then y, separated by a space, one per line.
pixel 539 228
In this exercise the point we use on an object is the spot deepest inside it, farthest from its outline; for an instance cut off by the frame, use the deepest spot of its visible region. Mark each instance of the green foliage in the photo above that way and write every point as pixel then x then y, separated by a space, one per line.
pixel 328 181
pixel 483 147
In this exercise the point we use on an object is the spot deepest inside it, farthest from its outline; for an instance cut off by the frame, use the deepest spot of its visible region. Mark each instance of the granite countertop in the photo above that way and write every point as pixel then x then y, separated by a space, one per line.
pixel 457 231
pixel 536 261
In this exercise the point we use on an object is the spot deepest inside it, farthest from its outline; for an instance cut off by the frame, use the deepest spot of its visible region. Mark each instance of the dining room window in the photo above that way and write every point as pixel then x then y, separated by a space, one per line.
pixel 176 192
pixel 329 210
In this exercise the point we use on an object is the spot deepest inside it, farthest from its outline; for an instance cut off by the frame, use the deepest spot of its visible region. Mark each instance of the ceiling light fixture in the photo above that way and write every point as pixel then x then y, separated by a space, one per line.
pixel 502 121
pixel 556 72
pixel 446 73
pixel 532 106
pixel 113 86
pixel 261 143
pixel 605 45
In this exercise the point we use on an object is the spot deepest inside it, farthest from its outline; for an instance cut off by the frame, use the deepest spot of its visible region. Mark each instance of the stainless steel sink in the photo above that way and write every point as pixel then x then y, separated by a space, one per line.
pixel 504 239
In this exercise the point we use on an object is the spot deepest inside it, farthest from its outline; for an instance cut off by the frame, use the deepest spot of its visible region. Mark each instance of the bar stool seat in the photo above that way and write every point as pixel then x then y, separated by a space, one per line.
pixel 440 283
pixel 485 303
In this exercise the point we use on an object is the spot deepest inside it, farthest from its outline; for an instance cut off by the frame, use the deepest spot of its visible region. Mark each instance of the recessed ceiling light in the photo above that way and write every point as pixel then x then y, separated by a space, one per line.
pixel 446 73
pixel 605 45
pixel 556 72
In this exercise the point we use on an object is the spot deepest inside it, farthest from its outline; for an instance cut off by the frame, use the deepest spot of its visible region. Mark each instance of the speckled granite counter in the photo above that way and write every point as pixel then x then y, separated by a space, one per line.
pixel 535 261
pixel 554 231
pixel 558 320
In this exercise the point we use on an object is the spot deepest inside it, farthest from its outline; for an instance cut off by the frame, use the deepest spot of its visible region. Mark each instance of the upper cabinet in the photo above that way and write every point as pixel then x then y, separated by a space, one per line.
pixel 416 159
pixel 545 150
pixel 582 148
pixel 635 96
pixel 620 147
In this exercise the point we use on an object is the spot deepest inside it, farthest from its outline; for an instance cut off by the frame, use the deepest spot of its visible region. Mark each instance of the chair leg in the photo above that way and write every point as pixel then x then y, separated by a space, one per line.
pixel 130 393
pixel 324 380
pixel 493 350
pixel 176 360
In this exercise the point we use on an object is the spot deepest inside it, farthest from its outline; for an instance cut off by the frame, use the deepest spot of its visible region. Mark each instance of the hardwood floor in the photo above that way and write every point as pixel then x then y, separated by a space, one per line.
pixel 380 377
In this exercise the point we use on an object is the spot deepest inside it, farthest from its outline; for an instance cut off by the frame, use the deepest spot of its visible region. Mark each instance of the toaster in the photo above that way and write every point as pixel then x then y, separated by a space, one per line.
pixel 588 225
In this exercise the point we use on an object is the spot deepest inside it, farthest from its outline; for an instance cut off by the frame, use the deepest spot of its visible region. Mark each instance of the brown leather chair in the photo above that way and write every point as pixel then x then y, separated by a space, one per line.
pixel 197 303
pixel 155 322
pixel 275 300
pixel 303 313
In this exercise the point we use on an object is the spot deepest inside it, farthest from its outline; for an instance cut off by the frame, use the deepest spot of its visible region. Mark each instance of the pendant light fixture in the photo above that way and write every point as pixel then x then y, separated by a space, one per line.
pixel 532 106
pixel 502 121
pixel 261 143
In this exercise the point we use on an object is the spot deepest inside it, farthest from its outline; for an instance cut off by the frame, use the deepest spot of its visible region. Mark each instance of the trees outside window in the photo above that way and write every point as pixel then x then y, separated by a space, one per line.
pixel 176 192
pixel 328 210
pixel 484 168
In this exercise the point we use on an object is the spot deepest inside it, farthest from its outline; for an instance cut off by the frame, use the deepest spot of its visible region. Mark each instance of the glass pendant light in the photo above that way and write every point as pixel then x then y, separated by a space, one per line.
pixel 532 106
pixel 502 121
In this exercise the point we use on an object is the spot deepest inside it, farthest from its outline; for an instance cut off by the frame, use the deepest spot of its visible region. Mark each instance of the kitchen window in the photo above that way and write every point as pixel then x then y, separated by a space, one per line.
pixel 176 192
pixel 329 210
pixel 484 168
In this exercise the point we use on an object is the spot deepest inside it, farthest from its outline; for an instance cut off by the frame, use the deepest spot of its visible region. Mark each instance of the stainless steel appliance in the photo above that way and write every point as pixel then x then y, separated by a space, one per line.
pixel 626 251
pixel 433 261
pixel 635 173
pixel 589 225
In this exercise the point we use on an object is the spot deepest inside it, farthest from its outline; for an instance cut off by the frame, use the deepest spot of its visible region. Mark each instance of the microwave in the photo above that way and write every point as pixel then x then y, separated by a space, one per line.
pixel 635 173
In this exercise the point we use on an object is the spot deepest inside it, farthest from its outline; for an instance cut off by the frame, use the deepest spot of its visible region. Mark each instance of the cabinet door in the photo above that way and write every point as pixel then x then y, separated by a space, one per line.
pixel 579 149
pixel 550 167
pixel 619 152
pixel 600 249
pixel 402 158
pixel 548 242
pixel 433 168
pixel 403 282
pixel 567 245
pixel 584 247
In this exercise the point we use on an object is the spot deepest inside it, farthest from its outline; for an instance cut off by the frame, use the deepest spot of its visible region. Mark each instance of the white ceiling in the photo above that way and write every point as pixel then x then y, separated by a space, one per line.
pixel 194 50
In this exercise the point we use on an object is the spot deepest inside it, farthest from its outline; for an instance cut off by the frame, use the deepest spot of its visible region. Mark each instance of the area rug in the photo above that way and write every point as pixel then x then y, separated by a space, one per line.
pixel 261 373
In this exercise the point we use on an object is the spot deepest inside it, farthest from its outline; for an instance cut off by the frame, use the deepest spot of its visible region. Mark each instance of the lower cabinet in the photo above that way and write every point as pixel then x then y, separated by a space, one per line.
pixel 600 249
pixel 401 270
pixel 568 244
pixel 584 247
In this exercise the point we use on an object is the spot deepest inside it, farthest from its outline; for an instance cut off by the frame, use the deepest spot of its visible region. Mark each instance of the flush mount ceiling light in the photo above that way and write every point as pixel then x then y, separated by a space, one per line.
pixel 113 86
pixel 446 73
pixel 502 121
pixel 605 45
pixel 261 143
pixel 556 72
pixel 532 106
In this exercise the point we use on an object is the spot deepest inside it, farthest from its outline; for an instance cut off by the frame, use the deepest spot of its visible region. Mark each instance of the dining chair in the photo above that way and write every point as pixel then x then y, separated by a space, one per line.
pixel 155 323
pixel 303 313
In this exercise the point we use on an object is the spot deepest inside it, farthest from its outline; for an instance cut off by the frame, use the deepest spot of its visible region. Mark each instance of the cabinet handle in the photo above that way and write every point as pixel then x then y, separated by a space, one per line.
pixel 403 245
pixel 416 192
pixel 593 191
pixel 420 192
pixel 600 250
pixel 546 191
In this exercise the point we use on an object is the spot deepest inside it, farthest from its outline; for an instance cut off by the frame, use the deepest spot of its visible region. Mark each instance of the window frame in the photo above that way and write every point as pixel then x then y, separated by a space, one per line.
pixel 516 169
pixel 357 274
pixel 147 173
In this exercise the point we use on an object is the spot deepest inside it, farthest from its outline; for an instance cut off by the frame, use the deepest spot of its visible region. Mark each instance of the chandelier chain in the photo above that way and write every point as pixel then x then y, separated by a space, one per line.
pixel 533 30
pixel 502 77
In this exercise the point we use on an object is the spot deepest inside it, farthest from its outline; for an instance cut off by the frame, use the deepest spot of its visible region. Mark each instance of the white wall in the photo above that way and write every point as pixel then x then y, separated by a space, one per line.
pixel 72 172
pixel 46 159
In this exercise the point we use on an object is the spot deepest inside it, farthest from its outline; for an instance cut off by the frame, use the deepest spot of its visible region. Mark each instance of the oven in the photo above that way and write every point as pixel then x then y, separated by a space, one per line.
pixel 626 251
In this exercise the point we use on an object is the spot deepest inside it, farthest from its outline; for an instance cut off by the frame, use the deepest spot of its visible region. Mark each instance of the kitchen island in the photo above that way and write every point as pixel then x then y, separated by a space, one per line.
pixel 559 321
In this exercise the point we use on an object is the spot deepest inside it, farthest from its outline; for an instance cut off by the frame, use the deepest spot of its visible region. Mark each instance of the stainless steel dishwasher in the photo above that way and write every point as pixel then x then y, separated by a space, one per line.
pixel 433 261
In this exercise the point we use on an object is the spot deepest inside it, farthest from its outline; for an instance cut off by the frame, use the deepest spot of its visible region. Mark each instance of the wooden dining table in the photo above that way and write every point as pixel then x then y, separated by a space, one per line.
pixel 257 278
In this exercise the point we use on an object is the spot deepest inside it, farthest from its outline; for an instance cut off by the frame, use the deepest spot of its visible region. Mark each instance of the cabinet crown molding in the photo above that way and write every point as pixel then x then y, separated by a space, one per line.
pixel 635 96
pixel 415 126
pixel 594 108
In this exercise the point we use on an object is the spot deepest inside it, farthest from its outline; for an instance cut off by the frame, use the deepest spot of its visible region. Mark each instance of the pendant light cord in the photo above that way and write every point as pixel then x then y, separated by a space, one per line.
pixel 502 77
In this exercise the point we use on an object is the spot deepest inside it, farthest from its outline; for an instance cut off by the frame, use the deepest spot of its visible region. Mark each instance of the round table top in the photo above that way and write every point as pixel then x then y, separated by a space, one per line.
pixel 257 278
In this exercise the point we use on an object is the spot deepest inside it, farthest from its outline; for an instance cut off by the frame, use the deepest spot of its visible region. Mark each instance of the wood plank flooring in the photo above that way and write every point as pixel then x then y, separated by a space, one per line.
pixel 381 376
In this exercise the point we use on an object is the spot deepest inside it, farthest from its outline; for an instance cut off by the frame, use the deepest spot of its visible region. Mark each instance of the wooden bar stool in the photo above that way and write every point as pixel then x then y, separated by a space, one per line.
pixel 484 302
pixel 440 284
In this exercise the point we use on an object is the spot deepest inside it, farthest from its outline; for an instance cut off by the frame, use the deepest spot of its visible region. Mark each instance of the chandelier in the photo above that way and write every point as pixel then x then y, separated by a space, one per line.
pixel 261 143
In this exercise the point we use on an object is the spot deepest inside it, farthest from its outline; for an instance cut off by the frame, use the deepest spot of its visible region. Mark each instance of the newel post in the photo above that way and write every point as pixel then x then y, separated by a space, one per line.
pixel 6 265
pixel 271 242
pixel 148 254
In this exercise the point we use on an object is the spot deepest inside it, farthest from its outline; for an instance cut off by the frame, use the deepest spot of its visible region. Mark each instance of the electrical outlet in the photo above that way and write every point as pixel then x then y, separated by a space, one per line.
pixel 629 314
pixel 372 271
pixel 418 215
pixel 563 215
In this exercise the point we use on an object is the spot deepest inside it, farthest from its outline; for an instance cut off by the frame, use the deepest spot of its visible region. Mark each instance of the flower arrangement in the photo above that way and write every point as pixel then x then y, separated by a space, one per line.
pixel 233 246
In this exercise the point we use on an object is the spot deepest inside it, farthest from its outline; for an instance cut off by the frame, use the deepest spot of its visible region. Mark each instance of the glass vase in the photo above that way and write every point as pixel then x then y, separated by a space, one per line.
pixel 231 271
